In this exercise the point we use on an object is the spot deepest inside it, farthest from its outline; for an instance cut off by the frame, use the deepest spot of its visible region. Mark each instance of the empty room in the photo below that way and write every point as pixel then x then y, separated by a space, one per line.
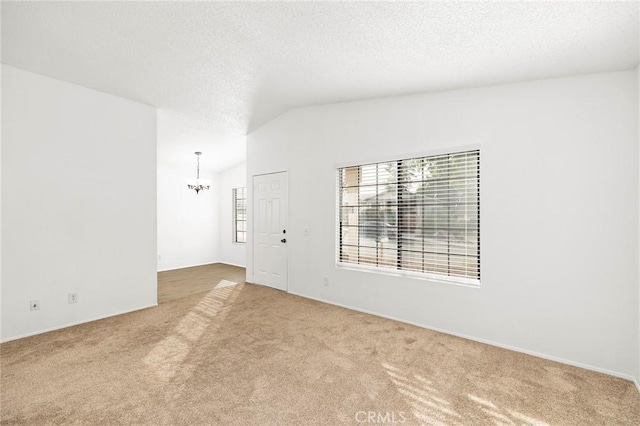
pixel 320 213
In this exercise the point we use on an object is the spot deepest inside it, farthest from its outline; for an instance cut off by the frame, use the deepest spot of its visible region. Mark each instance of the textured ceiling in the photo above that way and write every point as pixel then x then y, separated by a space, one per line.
pixel 217 70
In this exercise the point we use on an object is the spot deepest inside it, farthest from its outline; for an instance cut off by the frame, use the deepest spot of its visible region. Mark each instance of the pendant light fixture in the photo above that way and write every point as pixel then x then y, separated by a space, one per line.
pixel 197 183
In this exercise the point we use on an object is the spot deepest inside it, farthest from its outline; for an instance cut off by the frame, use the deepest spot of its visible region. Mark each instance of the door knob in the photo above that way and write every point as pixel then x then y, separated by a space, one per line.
pixel 284 240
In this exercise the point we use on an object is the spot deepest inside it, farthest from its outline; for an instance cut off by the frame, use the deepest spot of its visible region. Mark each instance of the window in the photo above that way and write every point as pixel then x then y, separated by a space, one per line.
pixel 419 214
pixel 240 215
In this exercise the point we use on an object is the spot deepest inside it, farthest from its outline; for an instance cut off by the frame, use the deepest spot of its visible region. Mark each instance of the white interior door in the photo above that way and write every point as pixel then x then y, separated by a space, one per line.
pixel 270 206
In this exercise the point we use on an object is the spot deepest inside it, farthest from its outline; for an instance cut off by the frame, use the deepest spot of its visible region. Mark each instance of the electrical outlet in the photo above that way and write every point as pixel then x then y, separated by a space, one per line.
pixel 73 298
pixel 34 305
pixel 325 281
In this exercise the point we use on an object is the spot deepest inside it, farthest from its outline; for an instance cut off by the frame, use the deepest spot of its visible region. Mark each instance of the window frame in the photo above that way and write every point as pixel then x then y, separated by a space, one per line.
pixel 368 268
pixel 236 220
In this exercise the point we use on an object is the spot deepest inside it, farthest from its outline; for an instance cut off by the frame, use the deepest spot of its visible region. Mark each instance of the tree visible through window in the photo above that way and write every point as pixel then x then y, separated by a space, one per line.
pixel 419 214
pixel 240 215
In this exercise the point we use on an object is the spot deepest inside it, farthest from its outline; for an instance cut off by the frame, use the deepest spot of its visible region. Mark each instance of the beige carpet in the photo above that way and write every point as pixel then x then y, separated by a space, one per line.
pixel 248 355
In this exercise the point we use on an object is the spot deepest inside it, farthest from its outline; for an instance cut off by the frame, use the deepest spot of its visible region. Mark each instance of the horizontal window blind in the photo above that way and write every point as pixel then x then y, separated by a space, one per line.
pixel 240 215
pixel 419 214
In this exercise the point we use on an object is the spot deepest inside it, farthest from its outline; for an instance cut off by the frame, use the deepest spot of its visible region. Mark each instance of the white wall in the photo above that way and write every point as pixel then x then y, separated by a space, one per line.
pixel 188 223
pixel 188 231
pixel 231 253
pixel 79 204
pixel 0 189
pixel 194 229
pixel 637 375
pixel 559 210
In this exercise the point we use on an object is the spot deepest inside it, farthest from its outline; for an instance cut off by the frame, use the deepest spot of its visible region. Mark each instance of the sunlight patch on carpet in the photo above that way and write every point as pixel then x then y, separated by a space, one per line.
pixel 482 401
pixel 225 283
pixel 166 358
pixel 528 420
pixel 491 409
pixel 424 400
pixel 507 417
pixel 192 326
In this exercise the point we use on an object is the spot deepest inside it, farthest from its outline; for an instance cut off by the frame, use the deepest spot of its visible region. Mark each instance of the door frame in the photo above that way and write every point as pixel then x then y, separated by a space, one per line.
pixel 251 225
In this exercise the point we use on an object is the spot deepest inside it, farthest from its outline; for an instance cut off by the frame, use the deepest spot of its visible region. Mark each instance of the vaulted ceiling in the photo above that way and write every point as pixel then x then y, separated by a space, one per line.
pixel 217 70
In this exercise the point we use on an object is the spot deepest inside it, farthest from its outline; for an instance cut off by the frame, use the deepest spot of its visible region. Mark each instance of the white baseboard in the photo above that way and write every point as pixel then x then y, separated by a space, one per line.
pixel 637 385
pixel 188 266
pixel 201 264
pixel 487 342
pixel 232 264
pixel 59 327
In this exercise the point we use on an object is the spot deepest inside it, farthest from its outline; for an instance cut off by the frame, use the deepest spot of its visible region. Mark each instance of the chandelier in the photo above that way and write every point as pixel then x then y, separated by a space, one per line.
pixel 197 183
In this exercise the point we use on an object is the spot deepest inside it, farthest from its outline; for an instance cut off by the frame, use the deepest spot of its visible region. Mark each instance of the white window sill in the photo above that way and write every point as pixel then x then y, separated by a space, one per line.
pixel 464 282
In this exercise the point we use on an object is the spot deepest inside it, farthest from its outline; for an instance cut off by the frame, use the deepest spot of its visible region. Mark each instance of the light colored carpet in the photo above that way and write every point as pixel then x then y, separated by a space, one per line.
pixel 248 355
pixel 179 283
